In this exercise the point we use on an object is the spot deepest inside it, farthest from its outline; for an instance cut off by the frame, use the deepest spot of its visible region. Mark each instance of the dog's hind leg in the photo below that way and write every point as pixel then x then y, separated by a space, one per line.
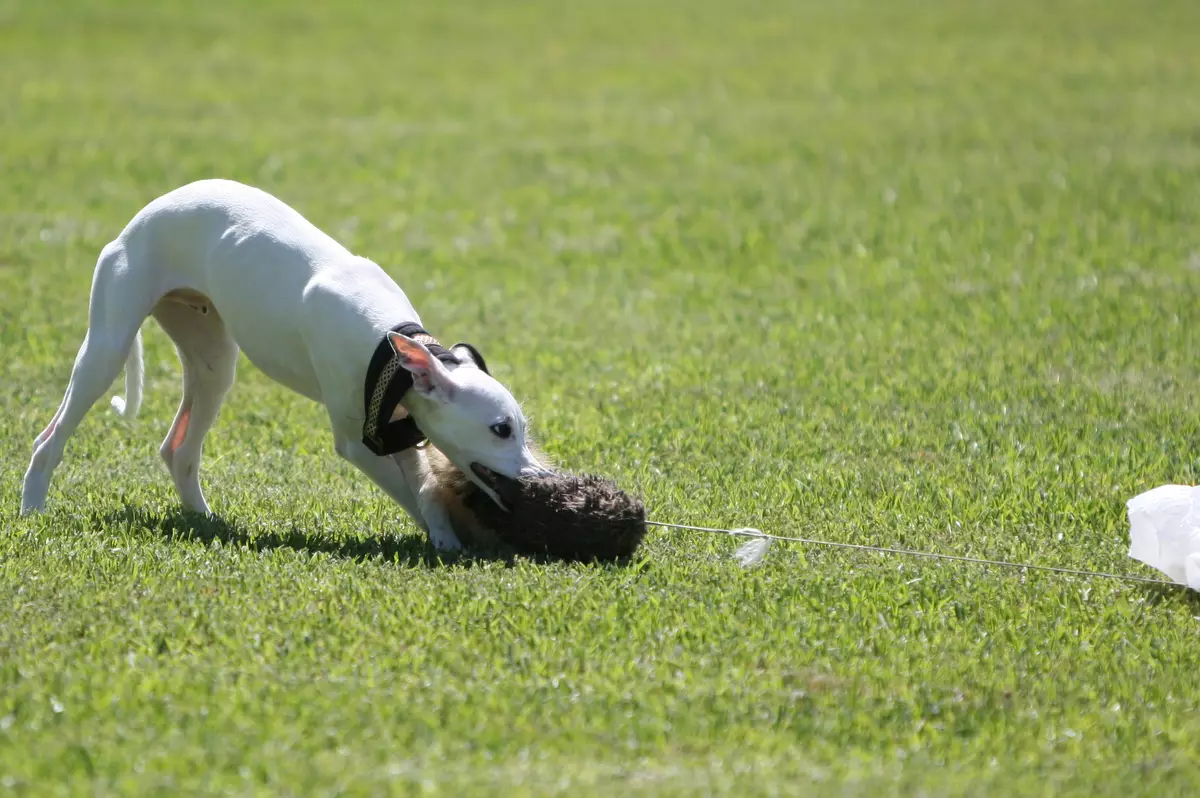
pixel 208 355
pixel 119 303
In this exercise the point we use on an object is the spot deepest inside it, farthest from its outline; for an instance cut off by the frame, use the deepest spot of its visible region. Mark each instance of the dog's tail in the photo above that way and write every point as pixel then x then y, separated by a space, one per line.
pixel 129 405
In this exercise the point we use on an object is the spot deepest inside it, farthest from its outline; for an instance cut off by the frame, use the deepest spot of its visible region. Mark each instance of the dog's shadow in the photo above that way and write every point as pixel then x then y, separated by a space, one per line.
pixel 187 525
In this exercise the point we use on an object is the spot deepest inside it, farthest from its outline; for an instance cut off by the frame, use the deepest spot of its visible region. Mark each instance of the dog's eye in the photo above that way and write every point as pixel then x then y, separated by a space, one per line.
pixel 502 430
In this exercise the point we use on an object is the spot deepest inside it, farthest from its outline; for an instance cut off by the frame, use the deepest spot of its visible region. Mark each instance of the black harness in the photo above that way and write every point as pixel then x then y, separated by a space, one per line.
pixel 387 382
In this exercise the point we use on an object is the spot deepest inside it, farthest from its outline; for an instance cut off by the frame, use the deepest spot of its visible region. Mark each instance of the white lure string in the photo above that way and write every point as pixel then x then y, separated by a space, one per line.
pixel 749 556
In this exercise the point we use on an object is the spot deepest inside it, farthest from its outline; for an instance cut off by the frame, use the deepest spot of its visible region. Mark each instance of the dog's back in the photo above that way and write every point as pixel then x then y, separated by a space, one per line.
pixel 265 270
pixel 201 231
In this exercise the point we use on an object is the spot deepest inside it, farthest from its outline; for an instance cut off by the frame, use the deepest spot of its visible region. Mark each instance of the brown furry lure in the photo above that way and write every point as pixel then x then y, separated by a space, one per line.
pixel 582 518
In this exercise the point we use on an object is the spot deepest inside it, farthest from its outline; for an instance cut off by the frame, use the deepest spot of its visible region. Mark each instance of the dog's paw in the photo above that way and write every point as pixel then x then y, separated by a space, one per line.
pixel 33 493
pixel 445 543
pixel 441 534
pixel 437 522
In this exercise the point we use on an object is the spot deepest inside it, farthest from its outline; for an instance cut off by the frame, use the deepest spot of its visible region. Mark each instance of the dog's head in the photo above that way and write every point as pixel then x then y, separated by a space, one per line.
pixel 468 415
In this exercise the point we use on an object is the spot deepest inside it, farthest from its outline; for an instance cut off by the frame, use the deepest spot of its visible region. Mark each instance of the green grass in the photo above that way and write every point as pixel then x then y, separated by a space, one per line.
pixel 904 273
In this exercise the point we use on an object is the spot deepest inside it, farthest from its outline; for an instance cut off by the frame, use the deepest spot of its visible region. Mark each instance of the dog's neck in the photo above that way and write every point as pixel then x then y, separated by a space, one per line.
pixel 388 428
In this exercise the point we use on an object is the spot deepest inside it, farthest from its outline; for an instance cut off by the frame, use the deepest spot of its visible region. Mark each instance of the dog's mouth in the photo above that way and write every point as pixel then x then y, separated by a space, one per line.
pixel 486 475
pixel 505 488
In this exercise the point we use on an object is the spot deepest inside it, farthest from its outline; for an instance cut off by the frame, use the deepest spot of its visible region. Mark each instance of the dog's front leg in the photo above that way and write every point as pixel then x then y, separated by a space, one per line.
pixel 405 477
pixel 405 483
pixel 414 464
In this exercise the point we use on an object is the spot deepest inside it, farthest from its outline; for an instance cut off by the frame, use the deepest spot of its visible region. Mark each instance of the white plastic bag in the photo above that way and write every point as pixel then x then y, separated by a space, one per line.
pixel 1164 531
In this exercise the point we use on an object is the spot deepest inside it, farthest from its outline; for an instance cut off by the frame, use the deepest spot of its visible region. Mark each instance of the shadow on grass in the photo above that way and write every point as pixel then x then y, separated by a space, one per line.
pixel 412 550
pixel 182 524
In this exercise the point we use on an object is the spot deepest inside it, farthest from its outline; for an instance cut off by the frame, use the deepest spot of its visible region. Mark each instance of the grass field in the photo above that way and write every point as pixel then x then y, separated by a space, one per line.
pixel 905 273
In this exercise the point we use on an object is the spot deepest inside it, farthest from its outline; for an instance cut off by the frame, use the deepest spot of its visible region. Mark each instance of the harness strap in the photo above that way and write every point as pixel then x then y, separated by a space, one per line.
pixel 386 384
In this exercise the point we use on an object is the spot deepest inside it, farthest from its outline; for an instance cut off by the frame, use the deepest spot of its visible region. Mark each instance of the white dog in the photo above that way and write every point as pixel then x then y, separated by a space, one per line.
pixel 225 267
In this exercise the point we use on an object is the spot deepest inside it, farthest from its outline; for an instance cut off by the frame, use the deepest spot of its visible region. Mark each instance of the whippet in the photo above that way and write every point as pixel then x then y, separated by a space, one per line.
pixel 225 267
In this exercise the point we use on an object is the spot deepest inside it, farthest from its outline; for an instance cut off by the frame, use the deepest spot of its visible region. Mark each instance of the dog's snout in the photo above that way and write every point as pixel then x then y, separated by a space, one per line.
pixel 531 466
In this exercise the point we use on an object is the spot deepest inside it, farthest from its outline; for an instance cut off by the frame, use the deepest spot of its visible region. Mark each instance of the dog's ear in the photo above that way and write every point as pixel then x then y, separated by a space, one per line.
pixel 430 377
pixel 469 356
